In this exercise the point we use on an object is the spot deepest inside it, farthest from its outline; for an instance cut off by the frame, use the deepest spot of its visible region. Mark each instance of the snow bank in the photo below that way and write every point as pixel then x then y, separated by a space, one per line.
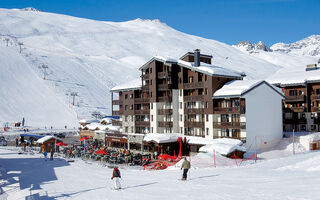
pixel 223 146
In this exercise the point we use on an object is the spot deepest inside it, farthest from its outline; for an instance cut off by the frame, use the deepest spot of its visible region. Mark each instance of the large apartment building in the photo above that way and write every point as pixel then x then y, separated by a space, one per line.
pixel 173 96
pixel 301 107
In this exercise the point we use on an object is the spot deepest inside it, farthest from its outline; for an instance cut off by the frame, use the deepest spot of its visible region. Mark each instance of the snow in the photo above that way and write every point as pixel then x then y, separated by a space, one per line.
pixel 46 138
pixel 88 121
pixel 134 84
pixel 28 176
pixel 161 138
pixel 223 146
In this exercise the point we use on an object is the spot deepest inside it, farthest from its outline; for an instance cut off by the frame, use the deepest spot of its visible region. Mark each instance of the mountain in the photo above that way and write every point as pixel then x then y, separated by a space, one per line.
pixel 252 48
pixel 87 57
pixel 308 46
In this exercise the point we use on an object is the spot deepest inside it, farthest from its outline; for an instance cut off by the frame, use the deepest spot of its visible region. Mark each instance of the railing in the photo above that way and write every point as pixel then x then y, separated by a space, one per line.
pixel 193 85
pixel 142 112
pixel 193 111
pixel 142 123
pixel 240 125
pixel 315 97
pixel 165 124
pixel 145 76
pixel 164 87
pixel 145 87
pixel 229 110
pixel 295 98
pixel 116 123
pixel 298 109
pixel 116 102
pixel 194 124
pixel 164 111
pixel 165 99
pixel 193 98
pixel 142 100
pixel 117 112
pixel 163 74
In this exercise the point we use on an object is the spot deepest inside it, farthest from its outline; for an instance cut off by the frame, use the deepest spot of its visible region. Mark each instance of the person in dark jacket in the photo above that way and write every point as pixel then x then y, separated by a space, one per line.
pixel 51 154
pixel 115 177
pixel 185 166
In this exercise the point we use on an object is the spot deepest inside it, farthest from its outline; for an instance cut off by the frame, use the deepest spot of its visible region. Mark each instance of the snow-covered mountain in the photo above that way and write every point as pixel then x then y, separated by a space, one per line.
pixel 252 48
pixel 88 57
pixel 308 46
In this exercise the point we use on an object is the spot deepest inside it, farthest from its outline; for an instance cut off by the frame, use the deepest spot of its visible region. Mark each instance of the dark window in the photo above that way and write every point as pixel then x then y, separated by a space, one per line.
pixel 293 92
pixel 126 96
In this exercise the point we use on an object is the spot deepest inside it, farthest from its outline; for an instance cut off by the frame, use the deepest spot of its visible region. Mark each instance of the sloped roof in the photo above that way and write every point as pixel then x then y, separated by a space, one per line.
pixel 238 88
pixel 135 84
pixel 301 77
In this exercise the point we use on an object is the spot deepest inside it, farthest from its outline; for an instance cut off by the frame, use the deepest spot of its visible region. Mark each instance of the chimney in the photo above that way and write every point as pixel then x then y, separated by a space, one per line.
pixel 197 57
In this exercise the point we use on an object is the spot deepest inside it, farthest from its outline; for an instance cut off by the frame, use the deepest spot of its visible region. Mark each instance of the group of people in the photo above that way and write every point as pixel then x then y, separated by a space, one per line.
pixel 116 173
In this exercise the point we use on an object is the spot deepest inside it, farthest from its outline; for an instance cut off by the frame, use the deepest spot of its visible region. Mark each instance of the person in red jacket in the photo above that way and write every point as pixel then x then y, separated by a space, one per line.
pixel 115 177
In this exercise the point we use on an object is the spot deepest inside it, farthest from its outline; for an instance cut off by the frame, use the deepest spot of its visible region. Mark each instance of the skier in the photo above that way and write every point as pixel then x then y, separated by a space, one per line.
pixel 186 166
pixel 17 142
pixel 115 177
pixel 45 155
pixel 51 154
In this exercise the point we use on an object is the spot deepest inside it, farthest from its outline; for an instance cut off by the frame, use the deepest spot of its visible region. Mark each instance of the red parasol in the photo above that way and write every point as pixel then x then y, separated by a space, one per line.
pixel 101 152
pixel 180 147
pixel 84 138
pixel 61 144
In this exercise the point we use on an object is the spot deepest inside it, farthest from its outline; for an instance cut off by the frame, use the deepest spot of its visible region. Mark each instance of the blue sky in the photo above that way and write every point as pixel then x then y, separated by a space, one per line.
pixel 228 21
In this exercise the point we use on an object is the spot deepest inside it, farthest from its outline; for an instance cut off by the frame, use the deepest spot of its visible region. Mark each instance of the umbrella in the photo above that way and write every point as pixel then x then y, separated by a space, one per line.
pixel 101 152
pixel 61 144
pixel 84 138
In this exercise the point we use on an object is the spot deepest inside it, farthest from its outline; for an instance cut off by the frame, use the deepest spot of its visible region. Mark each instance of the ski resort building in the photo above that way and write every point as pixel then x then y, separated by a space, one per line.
pixel 249 110
pixel 301 107
pixel 177 96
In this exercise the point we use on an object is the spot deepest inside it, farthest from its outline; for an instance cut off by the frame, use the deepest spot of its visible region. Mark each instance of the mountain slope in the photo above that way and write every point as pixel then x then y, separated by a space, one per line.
pixel 90 57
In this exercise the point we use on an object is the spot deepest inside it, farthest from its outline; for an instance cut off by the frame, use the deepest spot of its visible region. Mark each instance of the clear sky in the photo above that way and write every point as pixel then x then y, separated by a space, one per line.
pixel 228 21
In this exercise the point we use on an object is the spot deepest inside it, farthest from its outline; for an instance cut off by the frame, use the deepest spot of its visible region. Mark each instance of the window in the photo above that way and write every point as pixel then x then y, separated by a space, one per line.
pixel 181 117
pixel 131 96
pixel 126 107
pixel 207 118
pixel 207 131
pixel 206 91
pixel 207 104
pixel 190 79
pixel 152 119
pixel 224 104
pixel 126 96
pixel 131 107
pixel 126 129
pixel 224 118
pixel 131 129
pixel 205 78
pixel 151 82
pixel 180 92
pixel 151 106
pixel 150 70
pixel 180 105
pixel 151 129
pixel 293 93
pixel 181 130
pixel 235 102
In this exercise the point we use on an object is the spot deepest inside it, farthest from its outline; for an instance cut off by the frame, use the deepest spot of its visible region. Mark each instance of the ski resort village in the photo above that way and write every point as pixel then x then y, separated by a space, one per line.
pixel 135 109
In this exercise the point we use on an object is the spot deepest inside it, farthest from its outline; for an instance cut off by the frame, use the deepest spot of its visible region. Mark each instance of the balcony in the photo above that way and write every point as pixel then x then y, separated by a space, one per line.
pixel 219 110
pixel 116 102
pixel 145 76
pixel 142 112
pixel 315 97
pixel 193 98
pixel 298 109
pixel 295 98
pixel 116 112
pixel 163 75
pixel 164 111
pixel 315 109
pixel 238 125
pixel 142 100
pixel 193 111
pixel 165 99
pixel 194 124
pixel 142 123
pixel 116 123
pixel 145 87
pixel 164 87
pixel 165 124
pixel 193 85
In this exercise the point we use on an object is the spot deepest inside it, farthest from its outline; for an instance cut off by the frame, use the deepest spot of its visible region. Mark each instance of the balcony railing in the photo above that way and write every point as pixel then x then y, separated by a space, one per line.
pixel 239 125
pixel 315 97
pixel 116 112
pixel 145 87
pixel 219 110
pixel 165 99
pixel 315 109
pixel 165 124
pixel 193 85
pixel 164 87
pixel 142 100
pixel 193 98
pixel 142 112
pixel 194 124
pixel 165 112
pixel 163 74
pixel 116 102
pixel 193 111
pixel 298 109
pixel 116 123
pixel 145 76
pixel 295 98
pixel 142 123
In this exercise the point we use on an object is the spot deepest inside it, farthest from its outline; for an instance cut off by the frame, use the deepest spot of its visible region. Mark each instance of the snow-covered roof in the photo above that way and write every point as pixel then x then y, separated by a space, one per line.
pixel 205 68
pixel 311 137
pixel 46 138
pixel 161 138
pixel 88 121
pixel 288 78
pixel 223 146
pixel 238 88
pixel 134 84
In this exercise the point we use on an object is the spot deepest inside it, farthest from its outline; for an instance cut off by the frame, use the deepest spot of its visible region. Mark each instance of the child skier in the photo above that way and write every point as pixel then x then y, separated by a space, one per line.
pixel 115 177
pixel 45 155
